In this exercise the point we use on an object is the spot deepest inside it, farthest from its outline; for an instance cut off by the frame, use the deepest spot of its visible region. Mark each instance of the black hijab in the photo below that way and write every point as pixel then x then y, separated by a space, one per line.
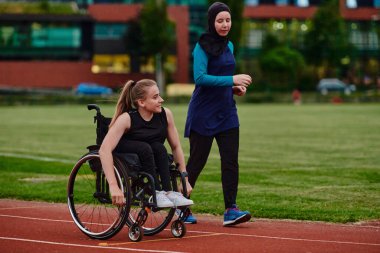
pixel 211 42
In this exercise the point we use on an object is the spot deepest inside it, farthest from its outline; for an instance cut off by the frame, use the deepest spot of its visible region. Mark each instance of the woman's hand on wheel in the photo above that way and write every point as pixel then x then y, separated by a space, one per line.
pixel 117 196
pixel 242 80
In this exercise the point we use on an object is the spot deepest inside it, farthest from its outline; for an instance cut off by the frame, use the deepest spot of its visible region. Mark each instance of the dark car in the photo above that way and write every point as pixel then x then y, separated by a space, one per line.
pixel 92 89
pixel 332 84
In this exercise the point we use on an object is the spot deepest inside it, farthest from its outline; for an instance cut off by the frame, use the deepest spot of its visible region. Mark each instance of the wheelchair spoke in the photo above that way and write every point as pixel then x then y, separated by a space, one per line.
pixel 89 200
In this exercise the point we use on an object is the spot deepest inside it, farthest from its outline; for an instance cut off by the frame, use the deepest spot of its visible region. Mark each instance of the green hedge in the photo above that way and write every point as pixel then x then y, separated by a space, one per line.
pixel 43 7
pixel 26 98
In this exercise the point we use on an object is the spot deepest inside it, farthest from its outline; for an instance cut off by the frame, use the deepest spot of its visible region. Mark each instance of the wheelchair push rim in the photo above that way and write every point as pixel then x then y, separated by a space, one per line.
pixel 89 200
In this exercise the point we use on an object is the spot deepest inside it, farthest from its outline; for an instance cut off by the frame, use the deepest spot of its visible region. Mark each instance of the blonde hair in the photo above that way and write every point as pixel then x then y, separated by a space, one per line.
pixel 131 92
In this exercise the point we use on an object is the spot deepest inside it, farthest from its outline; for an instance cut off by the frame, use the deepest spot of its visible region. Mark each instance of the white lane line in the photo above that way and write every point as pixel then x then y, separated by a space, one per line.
pixel 22 207
pixel 31 218
pixel 227 234
pixel 295 239
pixel 84 245
pixel 37 158
pixel 50 159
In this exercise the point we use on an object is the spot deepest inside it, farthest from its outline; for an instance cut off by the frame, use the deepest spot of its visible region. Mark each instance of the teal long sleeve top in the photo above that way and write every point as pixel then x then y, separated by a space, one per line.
pixel 201 75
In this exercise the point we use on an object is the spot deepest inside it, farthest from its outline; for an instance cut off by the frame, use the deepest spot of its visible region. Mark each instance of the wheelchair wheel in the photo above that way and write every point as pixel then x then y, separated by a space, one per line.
pixel 135 233
pixel 156 221
pixel 89 200
pixel 178 229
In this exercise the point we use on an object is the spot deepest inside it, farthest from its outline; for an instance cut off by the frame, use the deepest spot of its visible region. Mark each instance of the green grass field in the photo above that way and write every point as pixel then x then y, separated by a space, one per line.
pixel 309 162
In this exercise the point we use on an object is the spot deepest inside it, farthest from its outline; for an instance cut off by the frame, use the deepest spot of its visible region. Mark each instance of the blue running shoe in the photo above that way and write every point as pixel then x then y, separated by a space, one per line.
pixel 234 216
pixel 190 219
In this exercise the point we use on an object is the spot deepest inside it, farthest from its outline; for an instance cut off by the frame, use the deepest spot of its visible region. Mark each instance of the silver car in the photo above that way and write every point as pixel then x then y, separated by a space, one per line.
pixel 333 84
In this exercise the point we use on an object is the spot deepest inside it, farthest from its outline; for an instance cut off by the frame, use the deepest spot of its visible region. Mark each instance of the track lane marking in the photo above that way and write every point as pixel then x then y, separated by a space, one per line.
pixel 22 207
pixel 296 239
pixel 228 234
pixel 32 218
pixel 84 245
pixel 25 217
pixel 158 240
pixel 37 158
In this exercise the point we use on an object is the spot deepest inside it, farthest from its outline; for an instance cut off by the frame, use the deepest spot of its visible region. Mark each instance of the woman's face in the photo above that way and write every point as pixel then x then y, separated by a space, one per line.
pixel 223 23
pixel 153 100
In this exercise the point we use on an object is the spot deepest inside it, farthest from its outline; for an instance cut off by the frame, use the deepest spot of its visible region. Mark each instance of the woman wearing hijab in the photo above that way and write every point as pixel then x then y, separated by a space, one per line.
pixel 212 112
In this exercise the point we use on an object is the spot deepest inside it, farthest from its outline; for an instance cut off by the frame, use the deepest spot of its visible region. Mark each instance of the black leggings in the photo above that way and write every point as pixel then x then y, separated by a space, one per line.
pixel 153 158
pixel 228 143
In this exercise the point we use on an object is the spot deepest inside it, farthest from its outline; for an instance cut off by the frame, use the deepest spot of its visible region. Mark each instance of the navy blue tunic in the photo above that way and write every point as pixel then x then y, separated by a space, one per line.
pixel 212 108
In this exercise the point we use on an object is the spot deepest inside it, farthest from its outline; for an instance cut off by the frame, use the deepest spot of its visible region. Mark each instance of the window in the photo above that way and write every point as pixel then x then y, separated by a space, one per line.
pixel 255 39
pixel 365 3
pixel 364 40
pixel 302 3
pixel 251 2
pixel 44 40
pixel 362 3
pixel 114 63
pixel 55 37
pixel 40 36
pixel 110 31
pixel 282 2
pixel 315 2
pixel 351 4
pixel 197 2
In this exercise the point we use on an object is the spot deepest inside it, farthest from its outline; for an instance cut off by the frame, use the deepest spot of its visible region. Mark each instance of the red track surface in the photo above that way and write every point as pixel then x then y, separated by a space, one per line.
pixel 44 227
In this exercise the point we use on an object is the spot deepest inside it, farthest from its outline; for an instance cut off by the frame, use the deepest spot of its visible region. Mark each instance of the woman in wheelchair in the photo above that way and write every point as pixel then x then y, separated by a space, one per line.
pixel 141 125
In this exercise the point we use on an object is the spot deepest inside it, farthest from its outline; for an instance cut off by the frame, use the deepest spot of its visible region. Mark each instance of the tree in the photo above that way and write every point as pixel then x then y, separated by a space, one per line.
pixel 156 34
pixel 281 66
pixel 326 43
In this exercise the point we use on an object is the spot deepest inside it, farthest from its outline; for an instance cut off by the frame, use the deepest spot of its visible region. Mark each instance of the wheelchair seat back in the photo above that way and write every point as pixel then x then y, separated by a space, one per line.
pixel 131 159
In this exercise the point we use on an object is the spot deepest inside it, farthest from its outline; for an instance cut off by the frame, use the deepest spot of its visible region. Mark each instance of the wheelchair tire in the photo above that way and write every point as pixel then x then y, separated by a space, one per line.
pixel 89 200
pixel 178 229
pixel 156 221
pixel 135 233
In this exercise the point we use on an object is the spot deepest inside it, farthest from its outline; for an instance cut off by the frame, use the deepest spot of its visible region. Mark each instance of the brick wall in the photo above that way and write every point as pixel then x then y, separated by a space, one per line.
pixel 54 74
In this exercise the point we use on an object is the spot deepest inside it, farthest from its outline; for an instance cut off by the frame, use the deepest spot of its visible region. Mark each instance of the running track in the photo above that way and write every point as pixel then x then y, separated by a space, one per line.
pixel 45 227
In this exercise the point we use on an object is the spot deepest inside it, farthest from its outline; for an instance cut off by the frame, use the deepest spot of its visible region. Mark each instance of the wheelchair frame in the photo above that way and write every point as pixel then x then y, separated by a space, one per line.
pixel 90 203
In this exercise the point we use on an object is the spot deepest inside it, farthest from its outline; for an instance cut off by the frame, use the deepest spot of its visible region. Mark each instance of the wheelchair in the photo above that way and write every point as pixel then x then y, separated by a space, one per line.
pixel 89 200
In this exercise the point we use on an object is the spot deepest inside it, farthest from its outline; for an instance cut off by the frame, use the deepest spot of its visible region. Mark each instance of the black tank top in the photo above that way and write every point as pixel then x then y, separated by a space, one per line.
pixel 151 131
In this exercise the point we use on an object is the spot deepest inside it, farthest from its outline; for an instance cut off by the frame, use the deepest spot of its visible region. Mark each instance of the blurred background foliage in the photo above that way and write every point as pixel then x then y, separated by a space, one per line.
pixel 280 54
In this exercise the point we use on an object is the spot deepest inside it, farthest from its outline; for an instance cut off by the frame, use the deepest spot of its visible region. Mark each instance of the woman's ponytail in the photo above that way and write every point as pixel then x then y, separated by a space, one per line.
pixel 131 92
pixel 125 102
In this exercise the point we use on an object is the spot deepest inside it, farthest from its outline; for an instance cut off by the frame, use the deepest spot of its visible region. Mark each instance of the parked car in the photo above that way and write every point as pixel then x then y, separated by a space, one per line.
pixel 333 84
pixel 92 89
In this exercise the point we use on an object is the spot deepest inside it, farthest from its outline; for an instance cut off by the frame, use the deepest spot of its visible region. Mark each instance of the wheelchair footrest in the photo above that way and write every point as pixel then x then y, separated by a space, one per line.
pixel 184 212
pixel 141 217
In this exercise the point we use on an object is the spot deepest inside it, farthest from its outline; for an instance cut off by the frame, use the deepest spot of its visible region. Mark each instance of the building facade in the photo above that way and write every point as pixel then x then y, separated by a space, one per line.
pixel 61 51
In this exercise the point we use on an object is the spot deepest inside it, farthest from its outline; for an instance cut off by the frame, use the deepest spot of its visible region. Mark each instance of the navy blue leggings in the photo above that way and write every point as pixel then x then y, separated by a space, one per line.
pixel 228 144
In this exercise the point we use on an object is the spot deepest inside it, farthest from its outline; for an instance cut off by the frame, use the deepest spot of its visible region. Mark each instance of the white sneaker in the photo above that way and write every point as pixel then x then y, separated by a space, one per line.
pixel 163 200
pixel 178 199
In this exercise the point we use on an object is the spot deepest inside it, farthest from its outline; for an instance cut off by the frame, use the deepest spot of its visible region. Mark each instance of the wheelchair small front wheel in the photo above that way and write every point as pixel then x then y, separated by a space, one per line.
pixel 135 233
pixel 178 229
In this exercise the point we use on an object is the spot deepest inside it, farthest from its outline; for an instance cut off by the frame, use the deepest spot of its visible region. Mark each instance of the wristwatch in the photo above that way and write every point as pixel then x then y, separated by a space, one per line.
pixel 184 173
